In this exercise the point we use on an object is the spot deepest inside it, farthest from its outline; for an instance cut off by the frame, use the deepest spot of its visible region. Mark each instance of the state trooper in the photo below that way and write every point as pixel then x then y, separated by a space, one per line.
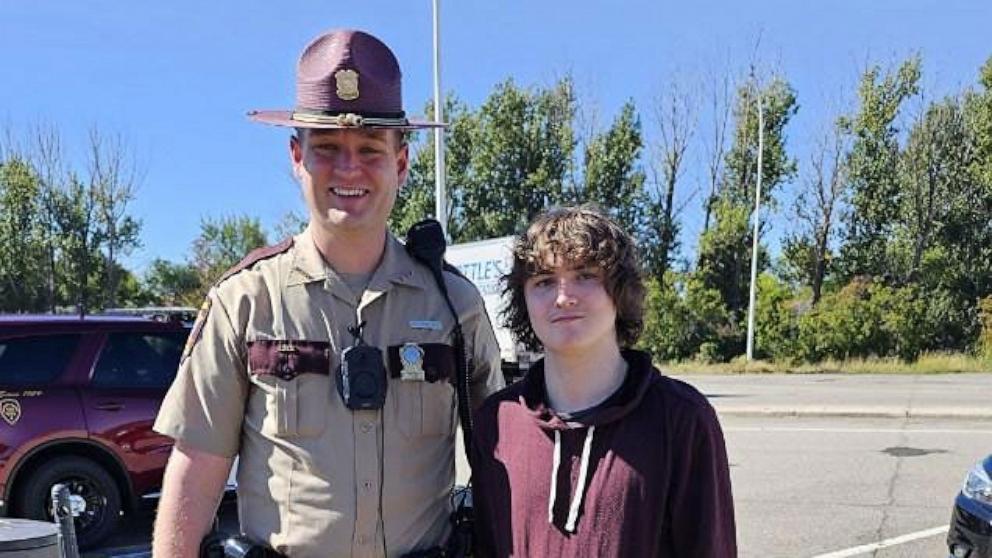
pixel 325 362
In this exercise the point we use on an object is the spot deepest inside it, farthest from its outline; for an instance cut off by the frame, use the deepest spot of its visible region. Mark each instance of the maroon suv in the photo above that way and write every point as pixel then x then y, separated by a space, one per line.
pixel 77 402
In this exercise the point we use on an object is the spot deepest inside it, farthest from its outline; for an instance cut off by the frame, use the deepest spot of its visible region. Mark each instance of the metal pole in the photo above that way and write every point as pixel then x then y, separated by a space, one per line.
pixel 62 509
pixel 440 198
pixel 757 224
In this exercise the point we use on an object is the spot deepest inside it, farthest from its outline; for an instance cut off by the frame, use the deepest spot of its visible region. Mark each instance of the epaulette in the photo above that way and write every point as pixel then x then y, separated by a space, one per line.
pixel 256 256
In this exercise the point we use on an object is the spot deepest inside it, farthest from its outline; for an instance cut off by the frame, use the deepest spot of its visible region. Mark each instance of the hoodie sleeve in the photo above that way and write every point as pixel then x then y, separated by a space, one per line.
pixel 702 507
pixel 484 494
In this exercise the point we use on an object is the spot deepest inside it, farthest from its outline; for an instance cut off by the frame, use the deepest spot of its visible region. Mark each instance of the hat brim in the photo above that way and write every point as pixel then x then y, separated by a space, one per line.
pixel 284 118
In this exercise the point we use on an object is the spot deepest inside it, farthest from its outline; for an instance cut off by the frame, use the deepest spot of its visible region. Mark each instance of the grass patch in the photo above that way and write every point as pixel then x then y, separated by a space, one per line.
pixel 928 363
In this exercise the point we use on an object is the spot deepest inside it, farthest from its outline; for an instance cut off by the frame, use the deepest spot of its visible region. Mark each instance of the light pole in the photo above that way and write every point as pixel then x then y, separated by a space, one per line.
pixel 440 200
pixel 757 224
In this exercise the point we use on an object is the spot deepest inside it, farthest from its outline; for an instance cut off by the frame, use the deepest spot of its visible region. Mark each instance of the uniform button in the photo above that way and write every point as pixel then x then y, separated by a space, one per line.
pixel 367 485
pixel 366 427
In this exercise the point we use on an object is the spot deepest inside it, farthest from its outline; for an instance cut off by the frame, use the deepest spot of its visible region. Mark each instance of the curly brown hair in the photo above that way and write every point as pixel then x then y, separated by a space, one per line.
pixel 575 237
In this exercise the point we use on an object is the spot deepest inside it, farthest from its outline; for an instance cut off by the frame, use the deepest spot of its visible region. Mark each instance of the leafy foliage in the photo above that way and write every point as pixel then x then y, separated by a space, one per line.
pixel 685 319
pixel 23 275
pixel 984 344
pixel 222 243
pixel 873 165
pixel 725 248
pixel 173 284
pixel 612 179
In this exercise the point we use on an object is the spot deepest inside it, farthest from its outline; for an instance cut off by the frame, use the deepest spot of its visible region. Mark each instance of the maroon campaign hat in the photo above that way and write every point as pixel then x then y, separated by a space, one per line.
pixel 345 79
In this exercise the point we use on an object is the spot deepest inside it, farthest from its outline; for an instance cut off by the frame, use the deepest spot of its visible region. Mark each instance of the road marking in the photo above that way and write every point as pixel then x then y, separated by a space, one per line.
pixel 853 430
pixel 866 548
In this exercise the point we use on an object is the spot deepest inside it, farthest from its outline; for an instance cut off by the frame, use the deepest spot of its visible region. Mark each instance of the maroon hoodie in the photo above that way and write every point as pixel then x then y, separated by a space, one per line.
pixel 642 474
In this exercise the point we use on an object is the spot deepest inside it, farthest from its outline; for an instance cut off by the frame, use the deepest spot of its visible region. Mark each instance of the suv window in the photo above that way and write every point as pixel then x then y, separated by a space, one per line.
pixel 139 360
pixel 35 361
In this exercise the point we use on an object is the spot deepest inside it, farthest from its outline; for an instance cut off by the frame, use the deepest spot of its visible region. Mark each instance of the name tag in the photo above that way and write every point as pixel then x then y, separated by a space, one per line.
pixel 432 325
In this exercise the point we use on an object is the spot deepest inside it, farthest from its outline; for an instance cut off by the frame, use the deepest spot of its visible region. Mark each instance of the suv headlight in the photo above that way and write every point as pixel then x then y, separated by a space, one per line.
pixel 978 485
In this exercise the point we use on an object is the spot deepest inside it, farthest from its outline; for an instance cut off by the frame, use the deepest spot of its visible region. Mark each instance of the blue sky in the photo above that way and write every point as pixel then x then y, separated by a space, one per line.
pixel 176 78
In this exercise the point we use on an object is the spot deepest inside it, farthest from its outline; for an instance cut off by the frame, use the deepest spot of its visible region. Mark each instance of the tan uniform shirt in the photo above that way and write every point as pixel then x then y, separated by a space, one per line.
pixel 316 478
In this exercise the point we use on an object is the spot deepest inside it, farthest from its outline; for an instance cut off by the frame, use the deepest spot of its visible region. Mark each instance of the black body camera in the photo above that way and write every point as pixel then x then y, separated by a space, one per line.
pixel 362 378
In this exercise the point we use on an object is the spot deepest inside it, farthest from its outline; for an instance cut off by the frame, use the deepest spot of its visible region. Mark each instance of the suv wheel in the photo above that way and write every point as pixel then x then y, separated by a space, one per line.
pixel 93 494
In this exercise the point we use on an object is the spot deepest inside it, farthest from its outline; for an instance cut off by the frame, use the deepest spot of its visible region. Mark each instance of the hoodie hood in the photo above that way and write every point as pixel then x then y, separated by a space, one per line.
pixel 640 376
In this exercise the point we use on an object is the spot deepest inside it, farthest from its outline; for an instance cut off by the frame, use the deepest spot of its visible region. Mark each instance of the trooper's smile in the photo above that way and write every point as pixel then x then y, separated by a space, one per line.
pixel 350 192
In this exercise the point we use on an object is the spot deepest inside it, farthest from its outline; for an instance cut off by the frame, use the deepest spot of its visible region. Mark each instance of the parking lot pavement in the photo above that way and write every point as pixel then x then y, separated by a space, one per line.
pixel 831 487
pixel 863 395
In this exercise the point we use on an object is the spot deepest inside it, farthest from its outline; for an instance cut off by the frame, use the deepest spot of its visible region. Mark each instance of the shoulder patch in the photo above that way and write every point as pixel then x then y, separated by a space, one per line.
pixel 194 336
pixel 256 256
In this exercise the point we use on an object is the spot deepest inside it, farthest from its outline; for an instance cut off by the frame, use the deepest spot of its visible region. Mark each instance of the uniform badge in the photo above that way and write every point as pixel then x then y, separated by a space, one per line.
pixel 347 84
pixel 412 359
pixel 10 410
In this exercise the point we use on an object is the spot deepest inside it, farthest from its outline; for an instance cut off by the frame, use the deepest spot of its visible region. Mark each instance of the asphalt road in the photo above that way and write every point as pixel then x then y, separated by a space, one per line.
pixel 832 466
pixel 827 486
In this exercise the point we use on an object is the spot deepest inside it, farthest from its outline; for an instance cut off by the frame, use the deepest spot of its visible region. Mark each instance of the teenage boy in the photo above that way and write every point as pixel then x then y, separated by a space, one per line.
pixel 594 452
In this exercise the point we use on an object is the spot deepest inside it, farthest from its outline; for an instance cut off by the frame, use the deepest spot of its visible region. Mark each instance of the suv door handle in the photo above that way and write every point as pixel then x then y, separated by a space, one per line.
pixel 111 406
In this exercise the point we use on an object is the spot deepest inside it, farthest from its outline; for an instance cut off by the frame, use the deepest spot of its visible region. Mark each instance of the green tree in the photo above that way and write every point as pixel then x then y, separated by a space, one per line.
pixel 978 113
pixel 685 319
pixel 415 200
pixel 935 185
pixel 23 276
pixel 873 167
pixel 866 319
pixel 520 160
pixel 132 291
pixel 173 284
pixel 778 102
pixel 221 244
pixel 74 224
pixel 776 319
pixel 505 162
pixel 73 207
pixel 613 178
pixel 973 222
pixel 725 254
pixel 725 248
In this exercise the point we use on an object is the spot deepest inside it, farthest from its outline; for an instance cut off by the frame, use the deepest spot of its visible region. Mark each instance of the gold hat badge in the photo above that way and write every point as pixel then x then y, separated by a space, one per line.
pixel 347 83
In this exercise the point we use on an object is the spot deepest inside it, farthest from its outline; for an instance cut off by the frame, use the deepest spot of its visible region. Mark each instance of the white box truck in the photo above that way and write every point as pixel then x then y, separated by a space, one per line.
pixel 484 262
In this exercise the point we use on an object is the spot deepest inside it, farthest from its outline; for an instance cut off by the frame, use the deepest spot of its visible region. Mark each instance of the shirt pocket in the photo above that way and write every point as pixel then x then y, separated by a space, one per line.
pixel 424 408
pixel 291 382
pixel 427 407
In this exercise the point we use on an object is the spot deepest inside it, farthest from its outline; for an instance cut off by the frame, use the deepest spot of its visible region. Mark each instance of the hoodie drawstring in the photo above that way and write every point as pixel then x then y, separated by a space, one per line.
pixel 579 490
pixel 555 461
